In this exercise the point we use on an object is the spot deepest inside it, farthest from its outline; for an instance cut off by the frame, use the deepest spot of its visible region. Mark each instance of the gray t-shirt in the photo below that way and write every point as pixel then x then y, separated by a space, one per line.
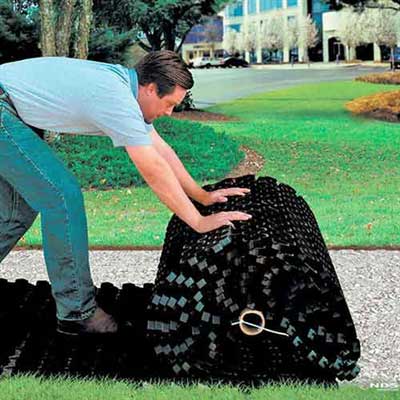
pixel 77 96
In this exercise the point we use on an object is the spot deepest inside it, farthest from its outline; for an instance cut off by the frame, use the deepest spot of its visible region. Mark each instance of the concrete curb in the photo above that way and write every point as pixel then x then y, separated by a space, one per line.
pixel 316 66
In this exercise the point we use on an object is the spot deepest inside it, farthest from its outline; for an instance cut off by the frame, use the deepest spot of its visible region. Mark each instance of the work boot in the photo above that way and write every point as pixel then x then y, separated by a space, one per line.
pixel 99 323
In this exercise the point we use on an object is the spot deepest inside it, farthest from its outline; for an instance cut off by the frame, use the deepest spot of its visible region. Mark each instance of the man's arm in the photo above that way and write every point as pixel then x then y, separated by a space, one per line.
pixel 162 180
pixel 189 185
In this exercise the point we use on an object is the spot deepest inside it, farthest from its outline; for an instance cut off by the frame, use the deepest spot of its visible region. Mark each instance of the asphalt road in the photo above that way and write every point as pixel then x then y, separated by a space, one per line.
pixel 219 85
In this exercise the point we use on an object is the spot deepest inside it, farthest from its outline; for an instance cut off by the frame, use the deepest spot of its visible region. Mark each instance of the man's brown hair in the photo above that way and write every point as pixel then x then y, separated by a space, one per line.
pixel 166 69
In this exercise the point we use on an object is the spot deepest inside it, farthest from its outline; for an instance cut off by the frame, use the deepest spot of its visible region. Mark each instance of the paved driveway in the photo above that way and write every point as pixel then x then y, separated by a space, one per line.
pixel 219 85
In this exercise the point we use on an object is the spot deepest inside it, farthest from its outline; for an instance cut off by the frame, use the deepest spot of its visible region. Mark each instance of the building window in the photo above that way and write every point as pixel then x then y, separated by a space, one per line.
pixel 269 56
pixel 319 6
pixel 252 6
pixel 292 3
pixel 195 35
pixel 317 18
pixel 270 4
pixel 234 10
pixel 210 30
pixel 234 27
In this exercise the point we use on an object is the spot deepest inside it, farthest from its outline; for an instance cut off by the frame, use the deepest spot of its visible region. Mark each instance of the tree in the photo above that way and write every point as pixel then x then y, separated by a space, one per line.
pixel 22 6
pixel 383 27
pixel 308 37
pixel 19 33
pixel 377 5
pixel 63 22
pixel 360 5
pixel 272 36
pixel 47 29
pixel 231 42
pixel 351 31
pixel 164 23
pixel 106 45
pixel 63 28
pixel 250 40
pixel 81 42
pixel 240 42
pixel 292 35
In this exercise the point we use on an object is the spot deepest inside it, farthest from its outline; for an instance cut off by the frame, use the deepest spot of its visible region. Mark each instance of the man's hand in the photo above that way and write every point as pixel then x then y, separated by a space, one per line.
pixel 215 221
pixel 221 195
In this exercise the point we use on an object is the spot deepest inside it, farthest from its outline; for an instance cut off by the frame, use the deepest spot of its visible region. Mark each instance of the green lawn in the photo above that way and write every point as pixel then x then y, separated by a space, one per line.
pixel 31 388
pixel 347 168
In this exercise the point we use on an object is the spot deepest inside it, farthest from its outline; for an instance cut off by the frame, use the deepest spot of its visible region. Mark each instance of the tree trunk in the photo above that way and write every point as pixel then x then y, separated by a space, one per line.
pixel 391 59
pixel 169 38
pixel 154 40
pixel 144 46
pixel 47 40
pixel 47 29
pixel 81 45
pixel 178 49
pixel 64 24
pixel 306 56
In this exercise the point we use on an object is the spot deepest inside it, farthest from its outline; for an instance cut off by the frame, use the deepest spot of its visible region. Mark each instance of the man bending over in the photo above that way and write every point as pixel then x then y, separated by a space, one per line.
pixel 86 97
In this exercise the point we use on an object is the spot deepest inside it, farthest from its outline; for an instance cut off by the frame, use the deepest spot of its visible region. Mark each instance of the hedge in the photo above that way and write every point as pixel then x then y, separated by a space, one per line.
pixel 387 78
pixel 207 155
pixel 385 106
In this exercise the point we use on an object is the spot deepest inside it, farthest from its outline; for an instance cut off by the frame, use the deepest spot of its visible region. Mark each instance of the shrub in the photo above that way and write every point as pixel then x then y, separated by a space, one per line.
pixel 206 154
pixel 99 165
pixel 109 46
pixel 388 78
pixel 384 106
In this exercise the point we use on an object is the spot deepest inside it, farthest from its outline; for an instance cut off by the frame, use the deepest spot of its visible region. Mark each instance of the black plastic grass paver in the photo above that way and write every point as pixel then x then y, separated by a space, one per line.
pixel 276 264
pixel 257 303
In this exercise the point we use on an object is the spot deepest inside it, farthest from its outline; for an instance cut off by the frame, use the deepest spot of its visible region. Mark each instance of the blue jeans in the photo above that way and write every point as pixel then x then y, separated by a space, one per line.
pixel 33 180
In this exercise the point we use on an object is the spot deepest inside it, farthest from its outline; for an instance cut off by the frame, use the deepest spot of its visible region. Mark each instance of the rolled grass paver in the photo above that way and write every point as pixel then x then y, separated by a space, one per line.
pixel 186 324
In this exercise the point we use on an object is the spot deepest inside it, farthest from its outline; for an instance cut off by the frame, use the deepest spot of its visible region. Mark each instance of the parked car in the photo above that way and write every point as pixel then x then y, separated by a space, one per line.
pixel 396 58
pixel 237 62
pixel 206 62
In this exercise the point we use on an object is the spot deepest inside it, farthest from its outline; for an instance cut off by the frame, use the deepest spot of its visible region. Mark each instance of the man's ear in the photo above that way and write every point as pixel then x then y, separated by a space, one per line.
pixel 151 89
